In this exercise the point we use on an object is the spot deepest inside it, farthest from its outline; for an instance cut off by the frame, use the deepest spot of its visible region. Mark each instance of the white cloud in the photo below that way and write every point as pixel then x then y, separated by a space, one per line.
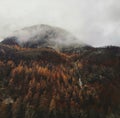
pixel 93 21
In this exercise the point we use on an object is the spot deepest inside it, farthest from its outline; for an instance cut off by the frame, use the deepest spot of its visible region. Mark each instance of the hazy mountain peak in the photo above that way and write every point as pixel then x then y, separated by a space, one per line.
pixel 45 36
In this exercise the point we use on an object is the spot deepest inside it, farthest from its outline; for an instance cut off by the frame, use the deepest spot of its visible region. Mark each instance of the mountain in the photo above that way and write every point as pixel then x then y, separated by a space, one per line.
pixel 43 36
pixel 42 81
pixel 38 81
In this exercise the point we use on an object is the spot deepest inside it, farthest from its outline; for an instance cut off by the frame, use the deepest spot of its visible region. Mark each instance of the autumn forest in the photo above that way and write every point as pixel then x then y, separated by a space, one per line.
pixel 45 83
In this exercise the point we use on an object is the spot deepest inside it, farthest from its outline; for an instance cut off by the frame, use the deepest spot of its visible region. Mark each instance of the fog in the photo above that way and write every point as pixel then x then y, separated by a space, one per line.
pixel 95 22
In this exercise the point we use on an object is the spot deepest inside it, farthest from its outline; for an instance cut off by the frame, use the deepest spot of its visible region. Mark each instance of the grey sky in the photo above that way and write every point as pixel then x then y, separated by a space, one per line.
pixel 96 22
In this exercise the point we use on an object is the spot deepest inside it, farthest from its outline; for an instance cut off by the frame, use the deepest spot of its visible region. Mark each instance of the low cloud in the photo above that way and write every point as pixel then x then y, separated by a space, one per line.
pixel 95 22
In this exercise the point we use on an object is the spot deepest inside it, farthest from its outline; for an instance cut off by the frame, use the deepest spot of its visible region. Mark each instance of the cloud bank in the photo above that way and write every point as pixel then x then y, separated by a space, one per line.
pixel 95 22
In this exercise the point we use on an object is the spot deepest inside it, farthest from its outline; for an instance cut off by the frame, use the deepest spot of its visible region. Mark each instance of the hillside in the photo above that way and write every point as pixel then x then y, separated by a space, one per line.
pixel 45 72
pixel 42 82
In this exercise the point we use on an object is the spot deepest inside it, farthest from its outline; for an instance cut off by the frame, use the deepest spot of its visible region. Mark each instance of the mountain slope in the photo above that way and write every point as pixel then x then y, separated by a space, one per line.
pixel 42 81
pixel 38 81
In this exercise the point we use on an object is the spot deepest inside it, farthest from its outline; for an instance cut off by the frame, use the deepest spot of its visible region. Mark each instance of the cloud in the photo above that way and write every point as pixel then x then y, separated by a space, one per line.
pixel 92 21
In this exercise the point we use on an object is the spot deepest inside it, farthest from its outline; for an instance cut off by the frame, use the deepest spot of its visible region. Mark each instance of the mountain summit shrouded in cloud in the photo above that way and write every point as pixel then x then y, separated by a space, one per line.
pixel 43 36
pixel 95 22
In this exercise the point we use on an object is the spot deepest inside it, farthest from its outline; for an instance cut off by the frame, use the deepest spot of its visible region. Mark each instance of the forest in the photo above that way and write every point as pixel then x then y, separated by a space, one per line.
pixel 44 83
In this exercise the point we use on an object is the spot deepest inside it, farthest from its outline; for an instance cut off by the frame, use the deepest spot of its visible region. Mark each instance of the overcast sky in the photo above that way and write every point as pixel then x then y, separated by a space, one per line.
pixel 96 22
